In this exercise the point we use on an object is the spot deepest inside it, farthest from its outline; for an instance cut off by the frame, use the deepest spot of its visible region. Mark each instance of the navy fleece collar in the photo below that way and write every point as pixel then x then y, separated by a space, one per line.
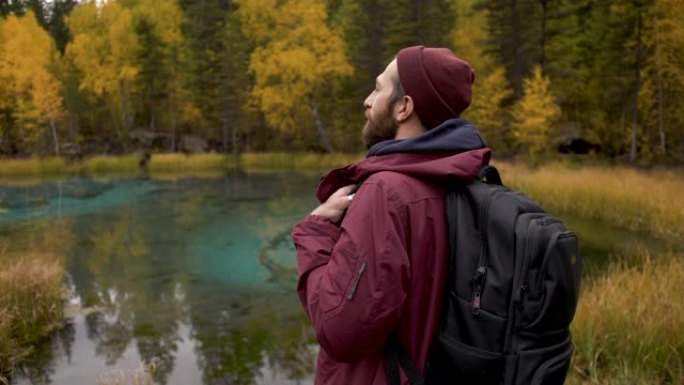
pixel 454 135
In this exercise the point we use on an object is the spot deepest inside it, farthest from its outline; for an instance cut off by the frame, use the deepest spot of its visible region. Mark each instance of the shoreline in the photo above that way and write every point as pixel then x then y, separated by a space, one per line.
pixel 17 170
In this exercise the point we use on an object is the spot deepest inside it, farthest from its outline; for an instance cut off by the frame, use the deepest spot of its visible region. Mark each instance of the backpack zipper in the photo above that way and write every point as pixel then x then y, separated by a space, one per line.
pixel 542 270
pixel 478 280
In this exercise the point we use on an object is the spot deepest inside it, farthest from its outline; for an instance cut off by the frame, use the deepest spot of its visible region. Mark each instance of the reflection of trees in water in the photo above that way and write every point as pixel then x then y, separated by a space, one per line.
pixel 136 291
pixel 240 333
pixel 133 264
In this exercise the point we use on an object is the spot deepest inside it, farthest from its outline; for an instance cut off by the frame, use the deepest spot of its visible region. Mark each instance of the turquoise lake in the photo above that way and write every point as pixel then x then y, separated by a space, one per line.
pixel 194 275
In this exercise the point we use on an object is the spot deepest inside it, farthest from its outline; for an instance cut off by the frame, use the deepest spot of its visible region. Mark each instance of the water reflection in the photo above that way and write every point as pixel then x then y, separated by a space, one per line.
pixel 197 275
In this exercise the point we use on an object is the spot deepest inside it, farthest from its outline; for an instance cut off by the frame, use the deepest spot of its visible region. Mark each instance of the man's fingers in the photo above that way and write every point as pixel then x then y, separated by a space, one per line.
pixel 344 191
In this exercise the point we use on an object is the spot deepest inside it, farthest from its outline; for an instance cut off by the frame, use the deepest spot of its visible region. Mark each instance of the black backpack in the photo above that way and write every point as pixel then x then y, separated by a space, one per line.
pixel 510 294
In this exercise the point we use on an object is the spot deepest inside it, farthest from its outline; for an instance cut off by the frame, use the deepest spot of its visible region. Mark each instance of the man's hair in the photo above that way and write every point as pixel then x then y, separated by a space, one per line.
pixel 398 91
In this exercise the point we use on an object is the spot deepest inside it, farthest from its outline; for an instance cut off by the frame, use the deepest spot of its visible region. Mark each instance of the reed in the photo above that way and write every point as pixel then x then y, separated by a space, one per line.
pixel 295 161
pixel 647 201
pixel 187 164
pixel 629 322
pixel 13 168
pixel 30 304
pixel 98 165
pixel 167 165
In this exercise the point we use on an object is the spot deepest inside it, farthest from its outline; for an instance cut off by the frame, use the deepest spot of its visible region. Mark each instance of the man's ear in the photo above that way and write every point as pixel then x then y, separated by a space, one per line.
pixel 404 108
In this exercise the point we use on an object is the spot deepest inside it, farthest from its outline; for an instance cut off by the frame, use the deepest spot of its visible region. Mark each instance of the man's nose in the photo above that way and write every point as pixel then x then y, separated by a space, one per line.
pixel 368 103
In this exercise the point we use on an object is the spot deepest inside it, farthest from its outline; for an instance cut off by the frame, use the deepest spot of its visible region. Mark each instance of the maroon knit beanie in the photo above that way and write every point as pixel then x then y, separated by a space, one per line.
pixel 438 81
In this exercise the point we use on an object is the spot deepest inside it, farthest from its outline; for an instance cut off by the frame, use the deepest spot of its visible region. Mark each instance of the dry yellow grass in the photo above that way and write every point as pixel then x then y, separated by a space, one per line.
pixel 295 161
pixel 30 304
pixel 13 168
pixel 181 163
pixel 166 166
pixel 629 326
pixel 648 201
pixel 102 164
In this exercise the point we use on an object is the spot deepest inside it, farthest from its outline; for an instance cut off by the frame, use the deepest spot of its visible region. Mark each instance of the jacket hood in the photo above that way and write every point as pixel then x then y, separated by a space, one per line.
pixel 453 150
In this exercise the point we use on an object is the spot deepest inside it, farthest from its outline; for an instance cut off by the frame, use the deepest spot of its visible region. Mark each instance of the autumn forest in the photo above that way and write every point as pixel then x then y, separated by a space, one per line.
pixel 601 77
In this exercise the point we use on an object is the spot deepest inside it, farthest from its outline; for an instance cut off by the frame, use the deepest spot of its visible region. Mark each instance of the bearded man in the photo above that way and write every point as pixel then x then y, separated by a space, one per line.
pixel 372 262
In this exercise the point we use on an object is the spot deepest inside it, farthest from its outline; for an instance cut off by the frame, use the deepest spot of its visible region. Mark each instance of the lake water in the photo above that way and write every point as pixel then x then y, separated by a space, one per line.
pixel 195 275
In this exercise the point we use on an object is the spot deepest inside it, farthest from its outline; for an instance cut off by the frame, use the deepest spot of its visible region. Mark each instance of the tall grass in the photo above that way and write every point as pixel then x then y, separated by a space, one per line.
pixel 169 165
pixel 637 200
pixel 30 304
pixel 181 163
pixel 13 168
pixel 295 161
pixel 98 165
pixel 629 327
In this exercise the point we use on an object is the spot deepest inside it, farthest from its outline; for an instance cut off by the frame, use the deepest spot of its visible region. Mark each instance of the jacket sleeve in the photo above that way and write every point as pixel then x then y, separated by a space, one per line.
pixel 353 279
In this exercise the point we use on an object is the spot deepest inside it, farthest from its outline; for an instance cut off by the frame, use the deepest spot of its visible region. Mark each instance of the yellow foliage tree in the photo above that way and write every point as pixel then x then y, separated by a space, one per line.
pixel 103 49
pixel 29 89
pixel 297 54
pixel 491 88
pixel 535 114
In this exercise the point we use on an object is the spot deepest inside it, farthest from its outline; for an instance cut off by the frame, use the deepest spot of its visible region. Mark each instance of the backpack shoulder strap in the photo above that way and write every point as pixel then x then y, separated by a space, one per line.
pixel 394 356
pixel 490 175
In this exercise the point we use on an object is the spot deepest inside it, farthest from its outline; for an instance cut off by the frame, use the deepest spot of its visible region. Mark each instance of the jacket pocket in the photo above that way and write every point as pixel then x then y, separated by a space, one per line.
pixel 341 271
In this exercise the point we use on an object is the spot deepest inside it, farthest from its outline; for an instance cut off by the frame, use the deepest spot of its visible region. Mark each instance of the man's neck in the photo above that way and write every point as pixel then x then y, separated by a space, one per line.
pixel 410 129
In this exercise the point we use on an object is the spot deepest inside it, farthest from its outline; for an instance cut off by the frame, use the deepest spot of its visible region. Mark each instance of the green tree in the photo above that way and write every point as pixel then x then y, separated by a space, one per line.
pixel 162 62
pixel 296 55
pixel 661 95
pixel 535 115
pixel 219 82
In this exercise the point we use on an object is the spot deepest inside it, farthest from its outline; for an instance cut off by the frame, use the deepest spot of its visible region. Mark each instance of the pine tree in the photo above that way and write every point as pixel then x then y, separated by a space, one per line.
pixel 662 95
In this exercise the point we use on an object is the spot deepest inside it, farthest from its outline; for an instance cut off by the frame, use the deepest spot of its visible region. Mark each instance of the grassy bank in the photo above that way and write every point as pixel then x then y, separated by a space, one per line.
pixel 628 327
pixel 30 305
pixel 636 200
pixel 171 164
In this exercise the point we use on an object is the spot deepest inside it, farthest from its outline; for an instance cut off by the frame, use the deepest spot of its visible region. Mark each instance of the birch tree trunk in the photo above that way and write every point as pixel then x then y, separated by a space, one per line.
pixel 322 134
pixel 55 138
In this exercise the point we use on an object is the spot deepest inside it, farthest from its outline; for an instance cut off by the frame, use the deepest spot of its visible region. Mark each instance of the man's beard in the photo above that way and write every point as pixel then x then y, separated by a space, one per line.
pixel 380 128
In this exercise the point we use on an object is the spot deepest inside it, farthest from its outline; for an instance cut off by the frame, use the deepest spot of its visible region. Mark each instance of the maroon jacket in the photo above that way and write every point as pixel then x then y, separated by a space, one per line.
pixel 382 269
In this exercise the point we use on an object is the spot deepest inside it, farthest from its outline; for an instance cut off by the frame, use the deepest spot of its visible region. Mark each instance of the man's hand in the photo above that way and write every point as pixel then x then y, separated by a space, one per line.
pixel 335 206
